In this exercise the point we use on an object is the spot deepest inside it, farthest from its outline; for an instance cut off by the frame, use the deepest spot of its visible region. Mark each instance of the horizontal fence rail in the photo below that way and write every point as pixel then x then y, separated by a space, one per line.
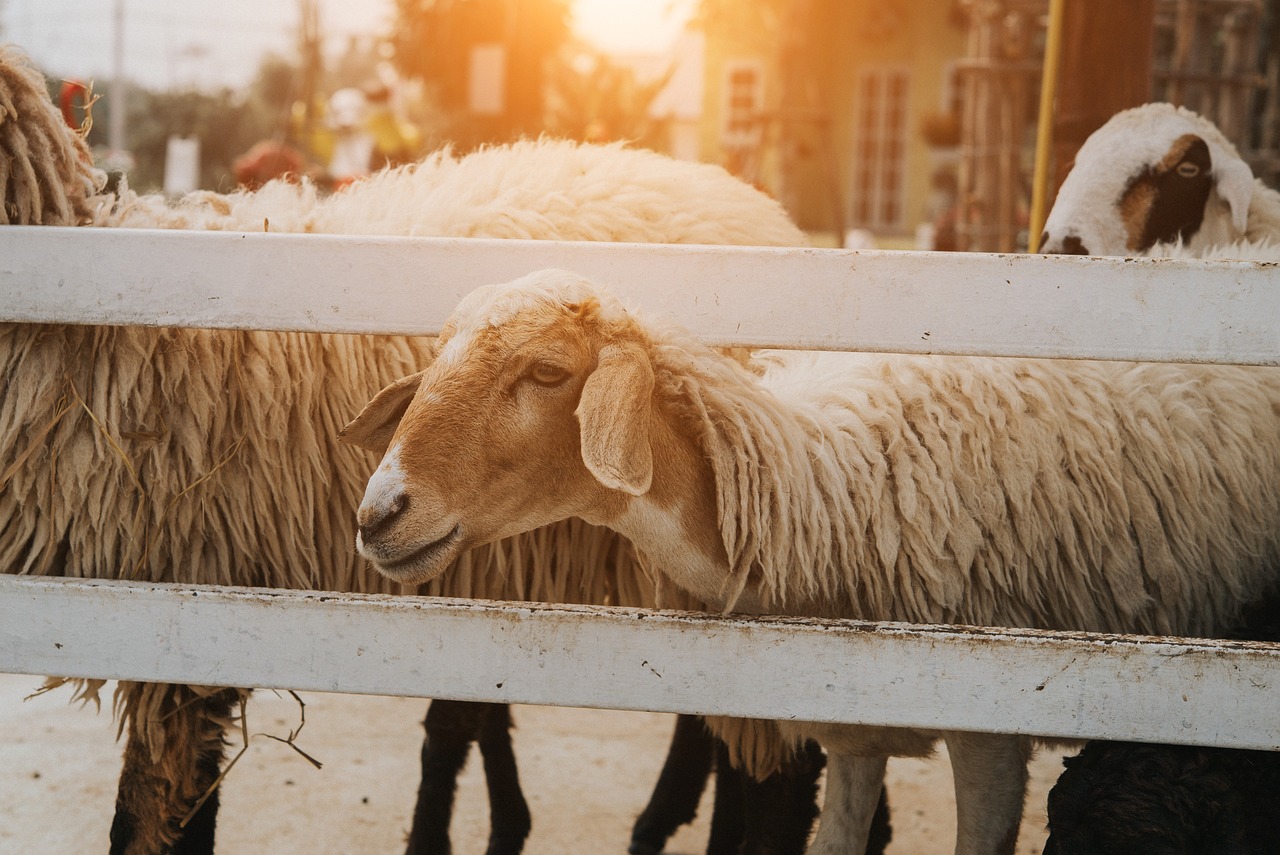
pixel 1072 685
pixel 911 302
pixel 1052 684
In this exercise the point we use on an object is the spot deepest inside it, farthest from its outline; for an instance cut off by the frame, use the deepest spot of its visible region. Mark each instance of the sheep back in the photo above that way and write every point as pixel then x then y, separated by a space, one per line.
pixel 1114 497
pixel 532 189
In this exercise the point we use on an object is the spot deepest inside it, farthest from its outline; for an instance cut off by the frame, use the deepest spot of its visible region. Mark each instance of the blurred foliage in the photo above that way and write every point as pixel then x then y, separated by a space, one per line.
pixel 434 40
pixel 553 85
pixel 277 84
pixel 226 122
pixel 592 98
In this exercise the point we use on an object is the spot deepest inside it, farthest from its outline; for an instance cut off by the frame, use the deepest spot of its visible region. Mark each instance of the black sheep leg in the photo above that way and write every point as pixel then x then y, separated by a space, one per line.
pixel 779 811
pixel 153 797
pixel 728 820
pixel 451 727
pixel 509 820
pixel 197 835
pixel 775 816
pixel 675 797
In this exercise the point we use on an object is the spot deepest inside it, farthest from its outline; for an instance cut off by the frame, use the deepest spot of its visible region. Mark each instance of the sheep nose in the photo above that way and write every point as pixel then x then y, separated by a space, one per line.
pixel 374 519
pixel 1070 245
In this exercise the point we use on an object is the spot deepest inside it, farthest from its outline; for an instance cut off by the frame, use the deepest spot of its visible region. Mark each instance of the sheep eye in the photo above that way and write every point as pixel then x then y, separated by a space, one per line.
pixel 546 374
pixel 1188 170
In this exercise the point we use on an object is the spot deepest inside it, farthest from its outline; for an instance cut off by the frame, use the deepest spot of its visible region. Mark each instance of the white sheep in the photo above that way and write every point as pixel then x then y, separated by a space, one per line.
pixel 209 456
pixel 1158 174
pixel 1009 492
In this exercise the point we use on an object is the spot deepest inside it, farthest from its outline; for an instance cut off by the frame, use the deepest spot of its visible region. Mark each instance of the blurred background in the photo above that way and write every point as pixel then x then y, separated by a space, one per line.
pixel 887 123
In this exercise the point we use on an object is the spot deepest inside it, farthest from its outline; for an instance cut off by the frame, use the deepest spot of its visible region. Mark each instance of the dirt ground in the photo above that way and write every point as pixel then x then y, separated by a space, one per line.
pixel 586 774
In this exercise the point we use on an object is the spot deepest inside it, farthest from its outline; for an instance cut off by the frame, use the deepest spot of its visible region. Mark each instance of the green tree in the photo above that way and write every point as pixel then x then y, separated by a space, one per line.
pixel 435 40
pixel 278 82
pixel 226 123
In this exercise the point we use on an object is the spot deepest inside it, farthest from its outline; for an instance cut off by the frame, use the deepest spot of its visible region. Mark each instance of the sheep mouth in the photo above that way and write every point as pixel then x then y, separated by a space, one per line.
pixel 424 563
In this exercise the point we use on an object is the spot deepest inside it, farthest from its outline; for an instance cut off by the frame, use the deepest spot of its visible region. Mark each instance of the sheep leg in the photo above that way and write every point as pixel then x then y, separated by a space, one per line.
pixel 881 828
pixel 675 797
pixel 728 812
pixel 780 810
pixel 163 776
pixel 509 821
pixel 990 773
pixel 451 727
pixel 854 789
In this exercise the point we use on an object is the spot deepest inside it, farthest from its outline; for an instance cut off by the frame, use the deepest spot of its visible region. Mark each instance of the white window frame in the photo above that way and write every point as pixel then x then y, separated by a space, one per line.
pixel 733 134
pixel 872 192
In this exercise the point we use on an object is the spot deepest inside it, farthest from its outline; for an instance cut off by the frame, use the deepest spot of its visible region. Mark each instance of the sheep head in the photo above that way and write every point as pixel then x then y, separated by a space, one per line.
pixel 1155 174
pixel 535 409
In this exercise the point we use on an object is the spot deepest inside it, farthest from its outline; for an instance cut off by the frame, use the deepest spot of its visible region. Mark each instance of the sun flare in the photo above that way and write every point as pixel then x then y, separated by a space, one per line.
pixel 631 26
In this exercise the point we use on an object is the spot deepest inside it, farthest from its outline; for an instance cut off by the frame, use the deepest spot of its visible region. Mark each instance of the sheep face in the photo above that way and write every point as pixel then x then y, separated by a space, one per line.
pixel 531 413
pixel 1152 175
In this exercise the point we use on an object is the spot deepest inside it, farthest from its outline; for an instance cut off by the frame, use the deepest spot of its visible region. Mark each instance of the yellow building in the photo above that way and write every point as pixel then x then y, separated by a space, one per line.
pixel 827 103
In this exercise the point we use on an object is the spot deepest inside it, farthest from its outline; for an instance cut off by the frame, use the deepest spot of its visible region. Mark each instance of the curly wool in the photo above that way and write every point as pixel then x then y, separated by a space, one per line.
pixel 532 189
pixel 1112 497
pixel 47 175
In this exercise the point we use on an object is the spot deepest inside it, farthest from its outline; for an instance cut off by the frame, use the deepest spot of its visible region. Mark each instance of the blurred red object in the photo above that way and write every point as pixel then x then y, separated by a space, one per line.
pixel 266 160
pixel 67 102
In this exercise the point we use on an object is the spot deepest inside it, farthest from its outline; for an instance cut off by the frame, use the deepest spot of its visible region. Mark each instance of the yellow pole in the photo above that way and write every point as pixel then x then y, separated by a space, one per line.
pixel 1044 127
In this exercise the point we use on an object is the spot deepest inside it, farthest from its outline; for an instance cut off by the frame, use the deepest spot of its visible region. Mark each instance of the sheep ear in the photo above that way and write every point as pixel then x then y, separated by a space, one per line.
pixel 373 428
pixel 613 417
pixel 1234 182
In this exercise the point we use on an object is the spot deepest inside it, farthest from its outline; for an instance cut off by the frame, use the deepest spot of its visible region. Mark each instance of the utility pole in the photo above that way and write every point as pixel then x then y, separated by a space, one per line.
pixel 116 119
pixel 311 59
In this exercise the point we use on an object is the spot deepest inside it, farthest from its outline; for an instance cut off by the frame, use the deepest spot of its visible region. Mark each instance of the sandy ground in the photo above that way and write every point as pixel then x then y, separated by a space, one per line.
pixel 586 774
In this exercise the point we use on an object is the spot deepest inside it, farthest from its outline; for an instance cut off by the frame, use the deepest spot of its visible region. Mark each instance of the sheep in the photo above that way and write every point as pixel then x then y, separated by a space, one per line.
pixel 145 453
pixel 886 487
pixel 1115 796
pixel 1158 174
pixel 1121 797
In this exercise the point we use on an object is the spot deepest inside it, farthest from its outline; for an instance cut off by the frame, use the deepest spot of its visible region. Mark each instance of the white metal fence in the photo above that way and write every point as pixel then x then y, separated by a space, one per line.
pixel 1054 684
